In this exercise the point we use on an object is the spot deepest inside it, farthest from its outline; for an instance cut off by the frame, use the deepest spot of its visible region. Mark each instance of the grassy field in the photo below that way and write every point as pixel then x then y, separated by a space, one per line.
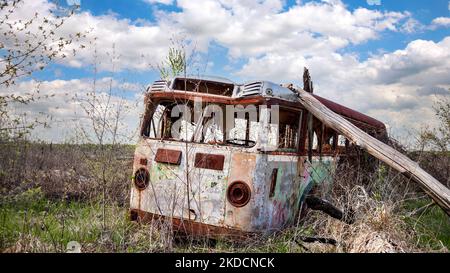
pixel 64 195
pixel 32 223
pixel 432 226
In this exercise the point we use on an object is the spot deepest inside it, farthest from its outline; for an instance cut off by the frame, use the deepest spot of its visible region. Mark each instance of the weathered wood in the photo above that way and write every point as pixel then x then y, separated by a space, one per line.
pixel 385 153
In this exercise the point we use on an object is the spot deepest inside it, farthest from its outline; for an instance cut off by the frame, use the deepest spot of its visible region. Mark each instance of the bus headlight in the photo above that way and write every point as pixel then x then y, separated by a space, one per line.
pixel 141 178
pixel 238 194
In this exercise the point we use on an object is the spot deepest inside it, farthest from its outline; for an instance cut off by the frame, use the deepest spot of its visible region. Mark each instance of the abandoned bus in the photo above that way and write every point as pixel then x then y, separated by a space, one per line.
pixel 220 158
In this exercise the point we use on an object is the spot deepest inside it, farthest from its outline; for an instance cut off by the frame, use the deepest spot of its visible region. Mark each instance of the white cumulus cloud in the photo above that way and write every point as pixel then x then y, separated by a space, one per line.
pixel 275 42
pixel 441 21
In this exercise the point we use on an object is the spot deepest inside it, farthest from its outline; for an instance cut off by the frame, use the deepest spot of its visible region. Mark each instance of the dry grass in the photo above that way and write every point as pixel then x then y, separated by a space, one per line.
pixel 377 228
pixel 377 200
pixel 56 200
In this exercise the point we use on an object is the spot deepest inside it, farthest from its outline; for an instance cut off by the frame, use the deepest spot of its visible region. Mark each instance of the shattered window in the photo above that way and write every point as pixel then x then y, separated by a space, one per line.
pixel 341 140
pixel 244 133
pixel 213 134
pixel 315 145
pixel 288 131
pixel 325 139
pixel 329 140
pixel 153 129
pixel 167 122
pixel 342 143
pixel 210 125
pixel 202 86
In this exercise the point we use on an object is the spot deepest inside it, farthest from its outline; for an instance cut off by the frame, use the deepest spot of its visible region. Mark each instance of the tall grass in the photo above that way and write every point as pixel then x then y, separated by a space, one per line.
pixel 54 201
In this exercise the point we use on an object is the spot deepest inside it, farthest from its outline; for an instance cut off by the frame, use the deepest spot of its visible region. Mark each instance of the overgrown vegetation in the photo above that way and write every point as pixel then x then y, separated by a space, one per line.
pixel 436 141
pixel 55 200
pixel 52 195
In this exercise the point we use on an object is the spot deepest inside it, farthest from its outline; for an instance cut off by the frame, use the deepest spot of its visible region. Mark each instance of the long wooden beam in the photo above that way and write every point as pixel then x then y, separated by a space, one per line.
pixel 437 191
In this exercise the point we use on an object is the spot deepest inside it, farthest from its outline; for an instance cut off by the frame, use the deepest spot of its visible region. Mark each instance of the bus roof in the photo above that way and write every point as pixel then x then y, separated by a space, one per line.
pixel 266 89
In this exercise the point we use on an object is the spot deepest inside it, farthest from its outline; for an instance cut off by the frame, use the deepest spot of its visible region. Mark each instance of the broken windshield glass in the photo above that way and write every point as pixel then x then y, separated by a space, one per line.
pixel 178 122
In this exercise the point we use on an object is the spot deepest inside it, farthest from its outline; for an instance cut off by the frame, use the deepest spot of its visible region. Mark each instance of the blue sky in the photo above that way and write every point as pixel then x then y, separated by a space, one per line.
pixel 390 61
pixel 138 10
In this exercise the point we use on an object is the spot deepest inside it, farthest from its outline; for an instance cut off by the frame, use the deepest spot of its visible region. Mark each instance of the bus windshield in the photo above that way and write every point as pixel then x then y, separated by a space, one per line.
pixel 171 121
pixel 243 126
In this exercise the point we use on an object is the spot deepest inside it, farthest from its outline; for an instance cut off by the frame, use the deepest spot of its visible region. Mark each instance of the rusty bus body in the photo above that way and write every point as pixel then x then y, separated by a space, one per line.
pixel 216 184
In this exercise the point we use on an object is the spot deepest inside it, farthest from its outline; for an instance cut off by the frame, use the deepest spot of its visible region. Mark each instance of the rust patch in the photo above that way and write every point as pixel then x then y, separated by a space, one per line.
pixel 143 161
pixel 209 161
pixel 190 227
pixel 183 95
pixel 242 168
pixel 133 215
pixel 168 156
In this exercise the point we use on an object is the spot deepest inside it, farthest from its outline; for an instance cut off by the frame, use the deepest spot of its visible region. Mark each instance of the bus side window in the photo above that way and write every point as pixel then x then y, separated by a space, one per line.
pixel 151 120
pixel 329 143
pixel 317 136
pixel 341 143
pixel 154 125
pixel 288 131
pixel 315 142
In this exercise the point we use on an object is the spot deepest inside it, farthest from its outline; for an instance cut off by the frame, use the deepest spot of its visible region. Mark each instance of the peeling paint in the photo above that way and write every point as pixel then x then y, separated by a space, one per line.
pixel 189 182
pixel 167 193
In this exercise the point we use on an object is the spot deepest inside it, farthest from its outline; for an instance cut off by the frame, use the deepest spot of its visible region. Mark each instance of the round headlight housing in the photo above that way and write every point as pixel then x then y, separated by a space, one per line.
pixel 141 178
pixel 238 194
